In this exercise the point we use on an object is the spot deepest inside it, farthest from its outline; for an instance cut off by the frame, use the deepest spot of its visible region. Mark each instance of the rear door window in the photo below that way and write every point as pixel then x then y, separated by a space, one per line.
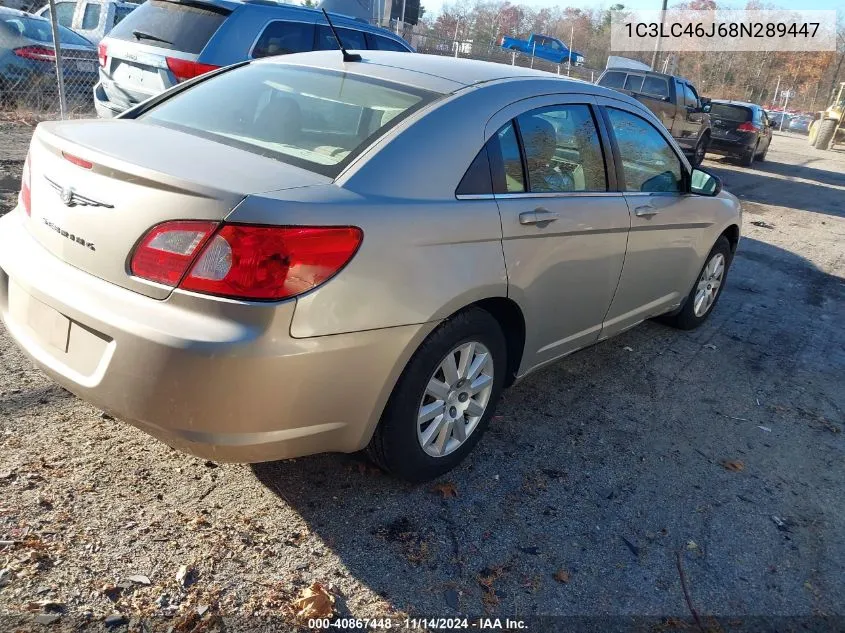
pixel 506 161
pixel 656 87
pixel 283 37
pixel 612 79
pixel 379 43
pixel 634 83
pixel 352 40
pixel 562 150
pixel 171 25
pixel 91 16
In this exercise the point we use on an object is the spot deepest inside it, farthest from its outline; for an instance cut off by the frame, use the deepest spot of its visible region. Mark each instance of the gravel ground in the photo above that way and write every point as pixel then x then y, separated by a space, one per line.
pixel 721 448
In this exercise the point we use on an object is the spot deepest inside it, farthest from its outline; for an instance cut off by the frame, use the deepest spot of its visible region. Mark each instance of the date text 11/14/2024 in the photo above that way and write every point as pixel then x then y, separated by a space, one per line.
pixel 440 624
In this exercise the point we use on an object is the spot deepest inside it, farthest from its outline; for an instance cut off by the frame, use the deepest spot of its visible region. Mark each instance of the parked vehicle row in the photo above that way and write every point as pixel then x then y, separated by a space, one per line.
pixel 28 60
pixel 673 99
pixel 164 42
pixel 246 267
pixel 92 19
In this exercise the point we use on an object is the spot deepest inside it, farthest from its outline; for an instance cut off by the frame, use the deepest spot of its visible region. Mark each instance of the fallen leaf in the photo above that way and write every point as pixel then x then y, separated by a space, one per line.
pixel 198 522
pixel 561 575
pixel 692 545
pixel 710 346
pixel 734 465
pixel 764 428
pixel 139 579
pixel 447 489
pixel 314 602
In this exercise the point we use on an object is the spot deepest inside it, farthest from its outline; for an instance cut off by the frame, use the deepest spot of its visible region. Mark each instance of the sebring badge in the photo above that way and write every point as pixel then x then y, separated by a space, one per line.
pixel 72 199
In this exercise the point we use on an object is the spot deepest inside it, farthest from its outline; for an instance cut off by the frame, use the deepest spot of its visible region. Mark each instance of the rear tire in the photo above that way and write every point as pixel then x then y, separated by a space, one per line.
pixel 827 128
pixel 748 159
pixel 399 444
pixel 698 307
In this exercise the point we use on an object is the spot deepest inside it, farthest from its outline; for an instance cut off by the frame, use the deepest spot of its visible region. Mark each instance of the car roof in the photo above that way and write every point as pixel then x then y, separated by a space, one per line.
pixel 745 104
pixel 426 71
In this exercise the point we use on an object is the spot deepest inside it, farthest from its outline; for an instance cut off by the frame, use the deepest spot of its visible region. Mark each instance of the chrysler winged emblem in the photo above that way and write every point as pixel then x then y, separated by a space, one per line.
pixel 70 198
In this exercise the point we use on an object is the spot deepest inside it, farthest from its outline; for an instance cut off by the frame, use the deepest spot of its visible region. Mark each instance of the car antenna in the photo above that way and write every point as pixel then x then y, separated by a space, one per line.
pixel 347 56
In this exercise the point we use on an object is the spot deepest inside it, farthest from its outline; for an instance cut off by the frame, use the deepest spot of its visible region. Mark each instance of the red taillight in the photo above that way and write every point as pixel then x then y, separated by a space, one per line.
pixel 26 187
pixel 185 69
pixel 38 53
pixel 167 250
pixel 79 162
pixel 245 261
pixel 102 53
pixel 748 126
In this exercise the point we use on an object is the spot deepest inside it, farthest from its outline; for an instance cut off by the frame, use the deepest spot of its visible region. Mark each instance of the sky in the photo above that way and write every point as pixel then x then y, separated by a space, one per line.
pixel 432 7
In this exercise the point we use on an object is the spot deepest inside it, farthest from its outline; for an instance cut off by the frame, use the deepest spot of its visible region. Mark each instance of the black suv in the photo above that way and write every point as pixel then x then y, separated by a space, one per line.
pixel 674 100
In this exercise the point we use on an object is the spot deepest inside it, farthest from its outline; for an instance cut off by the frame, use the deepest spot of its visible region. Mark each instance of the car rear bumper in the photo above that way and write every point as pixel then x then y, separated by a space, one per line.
pixel 105 108
pixel 725 147
pixel 186 371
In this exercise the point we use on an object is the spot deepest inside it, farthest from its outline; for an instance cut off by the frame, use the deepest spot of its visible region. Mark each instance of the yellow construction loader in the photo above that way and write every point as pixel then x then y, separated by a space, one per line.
pixel 829 127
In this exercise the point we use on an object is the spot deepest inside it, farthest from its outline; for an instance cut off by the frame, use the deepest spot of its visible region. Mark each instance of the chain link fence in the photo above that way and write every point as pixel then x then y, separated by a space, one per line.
pixel 29 80
pixel 433 43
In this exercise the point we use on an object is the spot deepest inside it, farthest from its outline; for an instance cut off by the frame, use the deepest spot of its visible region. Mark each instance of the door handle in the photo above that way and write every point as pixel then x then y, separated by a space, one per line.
pixel 645 211
pixel 538 216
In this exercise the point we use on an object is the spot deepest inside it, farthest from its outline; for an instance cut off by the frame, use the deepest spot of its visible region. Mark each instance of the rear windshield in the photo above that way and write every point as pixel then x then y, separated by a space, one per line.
pixel 730 112
pixel 40 30
pixel 180 26
pixel 316 119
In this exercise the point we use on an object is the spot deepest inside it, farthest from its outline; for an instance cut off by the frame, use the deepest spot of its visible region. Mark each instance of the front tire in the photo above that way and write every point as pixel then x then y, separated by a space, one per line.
pixel 827 128
pixel 700 151
pixel 444 399
pixel 706 290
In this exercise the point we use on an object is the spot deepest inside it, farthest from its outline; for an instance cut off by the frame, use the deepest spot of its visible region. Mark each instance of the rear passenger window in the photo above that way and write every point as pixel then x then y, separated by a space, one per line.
pixel 503 150
pixel 64 13
pixel 634 83
pixel 378 43
pixel 656 86
pixel 282 38
pixel 352 40
pixel 91 17
pixel 648 161
pixel 562 150
pixel 612 80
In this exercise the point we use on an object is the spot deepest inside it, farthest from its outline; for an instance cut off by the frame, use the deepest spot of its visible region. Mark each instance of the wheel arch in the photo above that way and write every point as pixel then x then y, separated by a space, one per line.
pixel 732 233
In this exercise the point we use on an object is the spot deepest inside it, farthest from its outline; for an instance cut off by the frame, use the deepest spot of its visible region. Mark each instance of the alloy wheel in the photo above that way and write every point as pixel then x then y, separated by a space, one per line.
pixel 708 285
pixel 455 399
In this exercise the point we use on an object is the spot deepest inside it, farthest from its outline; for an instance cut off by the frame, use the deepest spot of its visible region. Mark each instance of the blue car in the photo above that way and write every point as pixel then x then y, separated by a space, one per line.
pixel 544 47
pixel 164 42
pixel 28 61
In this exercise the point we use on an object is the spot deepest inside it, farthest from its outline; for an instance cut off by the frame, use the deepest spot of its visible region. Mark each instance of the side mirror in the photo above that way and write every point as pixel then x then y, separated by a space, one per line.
pixel 704 184
pixel 705 104
pixel 706 108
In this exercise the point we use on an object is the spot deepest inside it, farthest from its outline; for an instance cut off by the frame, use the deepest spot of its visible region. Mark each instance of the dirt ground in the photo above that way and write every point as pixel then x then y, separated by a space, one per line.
pixel 718 452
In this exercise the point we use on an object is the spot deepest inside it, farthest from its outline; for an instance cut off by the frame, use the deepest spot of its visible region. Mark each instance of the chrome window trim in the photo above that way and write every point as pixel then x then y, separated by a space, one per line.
pixel 559 194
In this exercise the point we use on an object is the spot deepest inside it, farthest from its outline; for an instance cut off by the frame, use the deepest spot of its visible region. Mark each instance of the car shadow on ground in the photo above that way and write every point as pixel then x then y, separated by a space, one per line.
pixel 772 183
pixel 598 470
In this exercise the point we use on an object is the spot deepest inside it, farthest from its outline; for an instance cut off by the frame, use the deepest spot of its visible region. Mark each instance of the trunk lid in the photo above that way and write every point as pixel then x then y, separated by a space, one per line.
pixel 141 175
